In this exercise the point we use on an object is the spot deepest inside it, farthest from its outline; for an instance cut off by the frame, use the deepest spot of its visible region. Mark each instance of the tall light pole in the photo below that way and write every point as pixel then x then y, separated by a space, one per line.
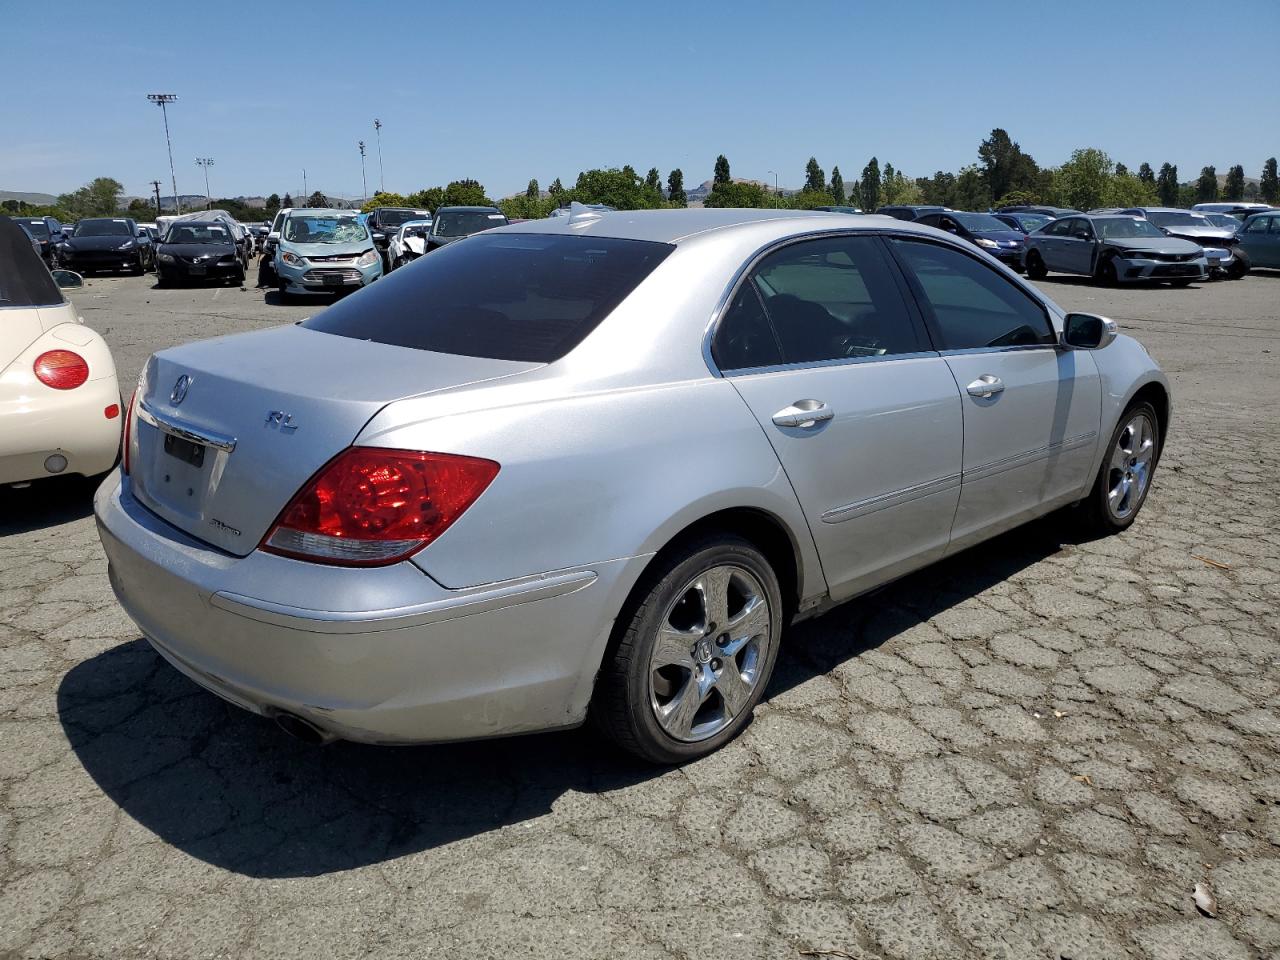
pixel 304 187
pixel 775 189
pixel 206 162
pixel 382 180
pixel 160 100
pixel 363 179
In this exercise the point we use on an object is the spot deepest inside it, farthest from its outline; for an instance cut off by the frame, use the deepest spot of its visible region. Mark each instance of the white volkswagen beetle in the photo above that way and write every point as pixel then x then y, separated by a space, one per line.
pixel 59 399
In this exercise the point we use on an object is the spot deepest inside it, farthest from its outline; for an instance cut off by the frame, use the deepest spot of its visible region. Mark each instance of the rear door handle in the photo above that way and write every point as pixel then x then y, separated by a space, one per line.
pixel 803 413
pixel 985 386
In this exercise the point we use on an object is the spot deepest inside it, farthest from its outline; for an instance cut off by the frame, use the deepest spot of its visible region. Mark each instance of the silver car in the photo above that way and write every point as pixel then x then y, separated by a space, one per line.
pixel 1114 248
pixel 594 465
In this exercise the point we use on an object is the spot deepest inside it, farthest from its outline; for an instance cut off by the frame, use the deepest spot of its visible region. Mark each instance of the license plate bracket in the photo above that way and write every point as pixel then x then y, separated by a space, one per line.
pixel 333 280
pixel 184 450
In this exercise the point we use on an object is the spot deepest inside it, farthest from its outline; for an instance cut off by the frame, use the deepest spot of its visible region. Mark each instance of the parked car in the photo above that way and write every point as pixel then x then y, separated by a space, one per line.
pixel 324 251
pixel 984 231
pixel 1113 248
pixel 48 233
pixel 525 480
pixel 909 212
pixel 1024 223
pixel 59 399
pixel 266 264
pixel 1217 242
pixel 1055 212
pixel 36 246
pixel 839 209
pixel 568 209
pixel 1260 239
pixel 385 222
pixel 1239 208
pixel 199 250
pixel 454 223
pixel 1224 220
pixel 108 243
pixel 409 242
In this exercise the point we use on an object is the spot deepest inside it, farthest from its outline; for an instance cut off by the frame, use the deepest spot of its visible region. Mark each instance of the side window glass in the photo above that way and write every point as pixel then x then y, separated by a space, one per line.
pixel 1275 224
pixel 972 305
pixel 1058 228
pixel 744 338
pixel 835 299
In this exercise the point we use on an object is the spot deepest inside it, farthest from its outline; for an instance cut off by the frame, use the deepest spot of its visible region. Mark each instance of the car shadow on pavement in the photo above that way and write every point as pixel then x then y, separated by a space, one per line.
pixel 231 789
pixel 1076 280
pixel 46 503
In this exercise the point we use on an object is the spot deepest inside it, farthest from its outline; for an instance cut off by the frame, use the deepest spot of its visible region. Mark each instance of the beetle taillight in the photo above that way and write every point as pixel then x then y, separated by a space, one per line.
pixel 371 506
pixel 61 369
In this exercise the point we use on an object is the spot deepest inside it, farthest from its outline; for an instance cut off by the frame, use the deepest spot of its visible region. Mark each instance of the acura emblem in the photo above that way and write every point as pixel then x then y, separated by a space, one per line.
pixel 180 390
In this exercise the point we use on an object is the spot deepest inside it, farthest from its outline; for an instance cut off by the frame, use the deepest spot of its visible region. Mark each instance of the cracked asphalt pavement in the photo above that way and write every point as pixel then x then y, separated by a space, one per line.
pixel 1034 750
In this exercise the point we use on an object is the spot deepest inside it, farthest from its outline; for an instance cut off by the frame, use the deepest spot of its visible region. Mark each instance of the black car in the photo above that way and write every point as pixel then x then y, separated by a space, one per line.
pixel 48 232
pixel 454 223
pixel 1025 223
pixel 199 250
pixel 109 243
pixel 984 231
pixel 1056 212
pixel 383 222
pixel 909 211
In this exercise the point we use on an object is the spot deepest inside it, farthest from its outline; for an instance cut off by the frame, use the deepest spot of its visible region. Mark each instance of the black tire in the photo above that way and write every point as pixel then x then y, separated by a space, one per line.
pixel 1180 283
pixel 239 276
pixel 1036 269
pixel 1240 267
pixel 398 262
pixel 1106 272
pixel 624 706
pixel 282 291
pixel 1098 508
pixel 139 268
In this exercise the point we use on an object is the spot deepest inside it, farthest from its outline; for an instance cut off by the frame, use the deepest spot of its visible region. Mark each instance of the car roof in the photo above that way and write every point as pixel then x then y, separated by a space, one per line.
pixel 475 208
pixel 676 226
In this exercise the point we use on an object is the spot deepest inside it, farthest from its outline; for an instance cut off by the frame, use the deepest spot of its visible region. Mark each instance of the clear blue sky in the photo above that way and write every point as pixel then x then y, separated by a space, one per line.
pixel 505 91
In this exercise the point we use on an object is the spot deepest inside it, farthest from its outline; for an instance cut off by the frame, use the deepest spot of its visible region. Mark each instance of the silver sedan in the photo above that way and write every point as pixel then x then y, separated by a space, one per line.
pixel 593 466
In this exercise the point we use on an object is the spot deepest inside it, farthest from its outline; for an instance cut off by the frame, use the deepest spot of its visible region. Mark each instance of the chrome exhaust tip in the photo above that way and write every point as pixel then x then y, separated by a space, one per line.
pixel 300 729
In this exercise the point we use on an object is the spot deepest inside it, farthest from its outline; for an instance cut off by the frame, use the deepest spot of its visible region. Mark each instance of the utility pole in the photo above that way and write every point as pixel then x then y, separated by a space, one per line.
pixel 363 179
pixel 161 100
pixel 775 189
pixel 155 185
pixel 304 187
pixel 206 162
pixel 382 180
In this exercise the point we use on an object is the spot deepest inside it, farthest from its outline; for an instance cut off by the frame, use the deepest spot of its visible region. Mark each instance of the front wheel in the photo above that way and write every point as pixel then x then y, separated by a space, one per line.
pixel 693 652
pixel 1107 272
pixel 1124 478
pixel 1036 269
pixel 1239 266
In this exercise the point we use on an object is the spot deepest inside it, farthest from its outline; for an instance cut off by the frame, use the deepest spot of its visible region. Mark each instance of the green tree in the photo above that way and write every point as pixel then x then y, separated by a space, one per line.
pixel 653 179
pixel 1207 185
pixel 556 187
pixel 532 191
pixel 381 199
pixel 675 189
pixel 465 193
pixel 1128 190
pixel 618 188
pixel 1167 185
pixel 139 209
pixel 1233 189
pixel 1082 181
pixel 814 179
pixel 1269 183
pixel 869 187
pixel 287 201
pixel 1121 170
pixel 99 197
pixel 837 186
pixel 938 190
pixel 896 187
pixel 1003 165
pixel 317 199
pixel 1186 195
pixel 1018 198
pixel 722 170
pixel 1147 175
pixel 428 199
pixel 971 192
pixel 729 194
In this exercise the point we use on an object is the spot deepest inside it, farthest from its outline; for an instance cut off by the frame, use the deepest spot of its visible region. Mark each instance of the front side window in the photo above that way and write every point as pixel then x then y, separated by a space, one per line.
pixel 972 305
pixel 1057 228
pixel 1257 225
pixel 829 299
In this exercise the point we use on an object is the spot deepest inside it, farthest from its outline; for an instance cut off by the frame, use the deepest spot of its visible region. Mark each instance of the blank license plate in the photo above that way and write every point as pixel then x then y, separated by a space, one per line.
pixel 198 271
pixel 184 450
pixel 333 280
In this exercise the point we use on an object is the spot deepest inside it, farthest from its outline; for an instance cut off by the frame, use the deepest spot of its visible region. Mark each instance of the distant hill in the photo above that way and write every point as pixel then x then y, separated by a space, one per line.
pixel 35 199
pixel 700 192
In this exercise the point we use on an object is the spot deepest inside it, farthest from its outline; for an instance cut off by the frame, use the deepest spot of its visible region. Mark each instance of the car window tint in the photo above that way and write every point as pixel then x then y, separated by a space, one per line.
pixel 1057 228
pixel 507 296
pixel 745 338
pixel 973 306
pixel 834 299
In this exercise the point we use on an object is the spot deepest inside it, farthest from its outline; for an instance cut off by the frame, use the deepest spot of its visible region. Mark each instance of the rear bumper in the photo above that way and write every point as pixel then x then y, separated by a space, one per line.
pixel 71 424
pixel 381 655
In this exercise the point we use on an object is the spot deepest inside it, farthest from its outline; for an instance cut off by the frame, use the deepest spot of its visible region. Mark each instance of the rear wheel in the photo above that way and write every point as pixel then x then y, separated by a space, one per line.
pixel 1107 272
pixel 1036 269
pixel 1125 475
pixel 696 647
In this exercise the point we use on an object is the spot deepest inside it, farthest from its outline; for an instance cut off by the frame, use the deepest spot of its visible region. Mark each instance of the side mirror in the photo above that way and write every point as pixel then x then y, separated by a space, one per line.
pixel 67 279
pixel 142 234
pixel 379 236
pixel 1087 331
pixel 1083 235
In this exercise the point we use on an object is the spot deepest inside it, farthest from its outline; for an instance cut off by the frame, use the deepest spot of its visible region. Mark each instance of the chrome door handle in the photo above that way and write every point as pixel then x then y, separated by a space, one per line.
pixel 985 386
pixel 803 413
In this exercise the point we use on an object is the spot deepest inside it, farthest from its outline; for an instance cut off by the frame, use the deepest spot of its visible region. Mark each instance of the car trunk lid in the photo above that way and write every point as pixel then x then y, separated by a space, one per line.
pixel 228 430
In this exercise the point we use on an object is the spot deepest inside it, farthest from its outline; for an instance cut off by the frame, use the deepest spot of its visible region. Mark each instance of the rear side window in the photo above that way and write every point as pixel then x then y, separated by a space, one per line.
pixel 972 305
pixel 512 296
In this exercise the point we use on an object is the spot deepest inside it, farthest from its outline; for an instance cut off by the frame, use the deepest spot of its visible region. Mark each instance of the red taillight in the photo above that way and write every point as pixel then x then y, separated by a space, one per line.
pixel 112 411
pixel 369 506
pixel 61 369
pixel 128 429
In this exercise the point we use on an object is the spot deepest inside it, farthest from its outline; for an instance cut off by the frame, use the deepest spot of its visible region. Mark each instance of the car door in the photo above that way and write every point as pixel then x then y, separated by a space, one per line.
pixel 1078 242
pixel 823 343
pixel 1051 244
pixel 1031 409
pixel 1260 239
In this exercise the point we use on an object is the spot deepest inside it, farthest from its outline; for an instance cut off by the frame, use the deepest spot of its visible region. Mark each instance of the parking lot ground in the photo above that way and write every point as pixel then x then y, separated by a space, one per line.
pixel 1035 750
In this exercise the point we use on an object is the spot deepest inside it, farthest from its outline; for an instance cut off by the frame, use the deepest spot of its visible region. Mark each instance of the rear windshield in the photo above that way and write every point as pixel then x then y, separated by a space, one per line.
pixel 463 223
pixel 24 279
pixel 37 228
pixel 511 296
pixel 394 218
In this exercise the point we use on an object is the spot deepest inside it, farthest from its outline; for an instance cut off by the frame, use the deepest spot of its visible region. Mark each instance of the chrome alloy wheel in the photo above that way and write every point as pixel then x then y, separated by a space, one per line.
pixel 711 644
pixel 1129 471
